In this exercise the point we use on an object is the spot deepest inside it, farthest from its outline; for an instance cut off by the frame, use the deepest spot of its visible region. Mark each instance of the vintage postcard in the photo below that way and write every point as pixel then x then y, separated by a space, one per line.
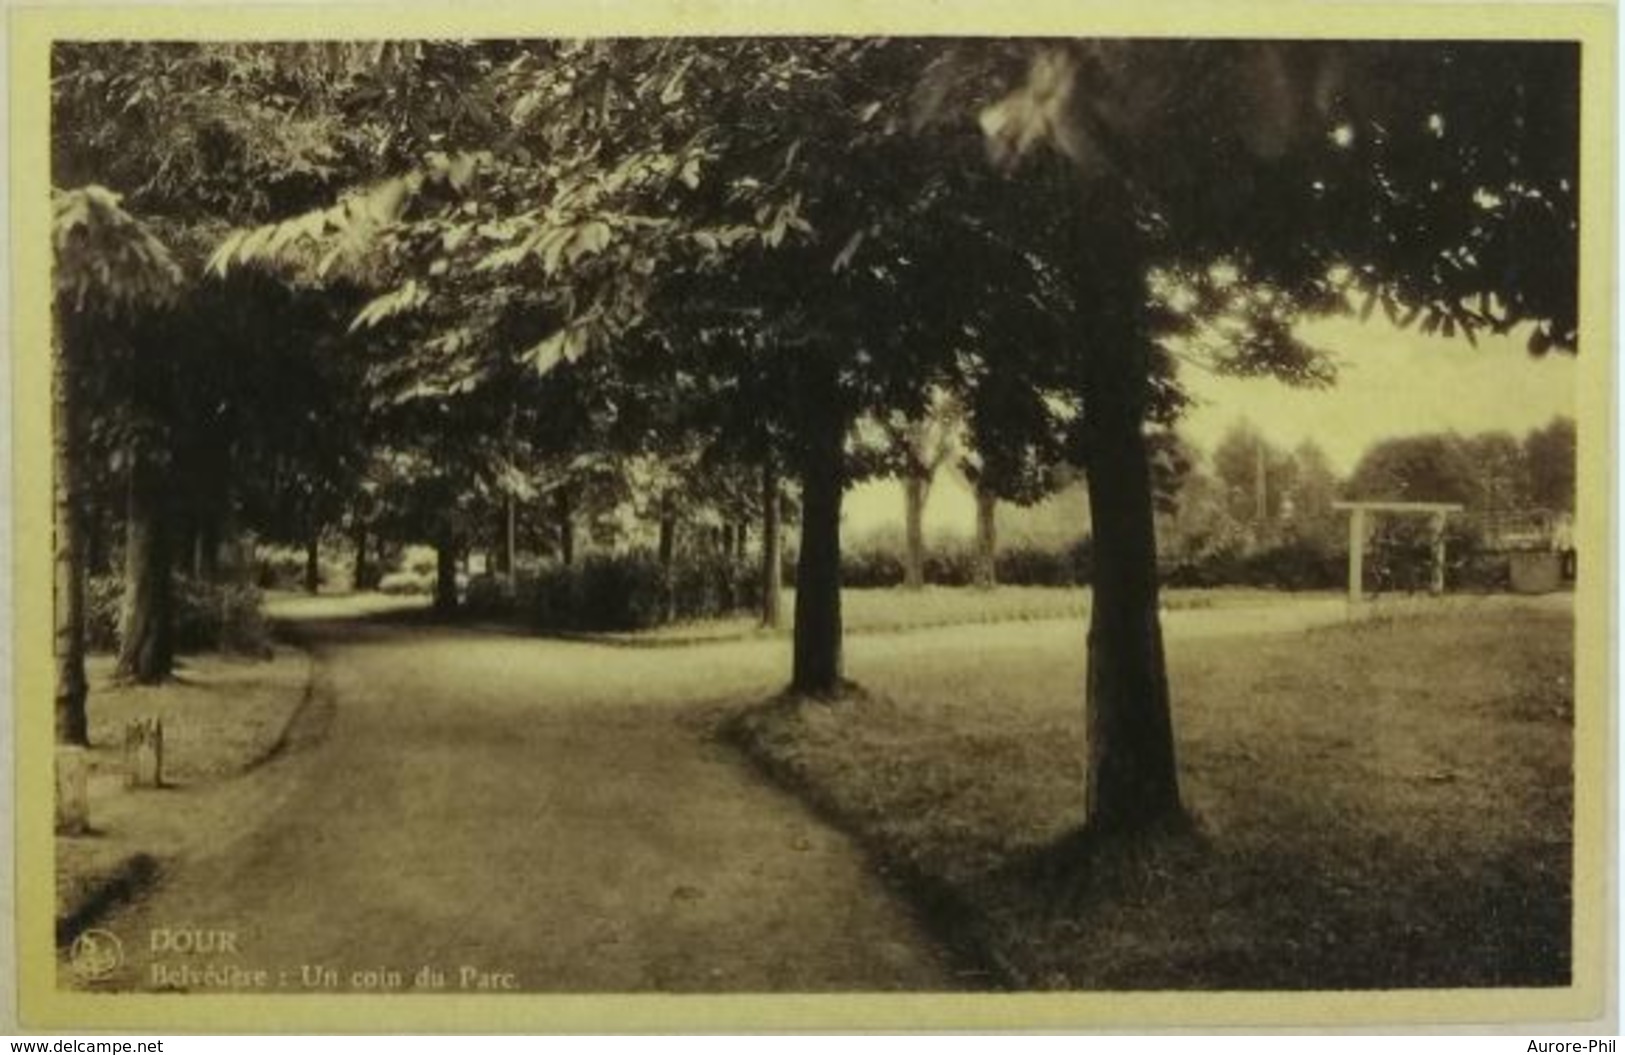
pixel 710 517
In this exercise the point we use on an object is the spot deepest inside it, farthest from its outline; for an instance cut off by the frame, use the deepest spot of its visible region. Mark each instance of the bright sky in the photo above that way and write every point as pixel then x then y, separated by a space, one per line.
pixel 1391 382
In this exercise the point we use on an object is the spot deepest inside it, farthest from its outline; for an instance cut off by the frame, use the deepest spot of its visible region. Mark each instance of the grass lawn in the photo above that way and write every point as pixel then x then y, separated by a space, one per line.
pixel 1380 805
pixel 884 610
pixel 221 716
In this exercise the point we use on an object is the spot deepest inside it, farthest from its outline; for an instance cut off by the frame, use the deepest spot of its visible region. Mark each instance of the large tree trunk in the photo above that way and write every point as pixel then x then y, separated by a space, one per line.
pixel 93 528
pixel 361 573
pixel 72 689
pixel 985 573
pixel 206 548
pixel 445 570
pixel 313 561
pixel 915 488
pixel 146 625
pixel 565 510
pixel 817 665
pixel 510 540
pixel 1132 781
pixel 772 553
pixel 668 554
pixel 668 531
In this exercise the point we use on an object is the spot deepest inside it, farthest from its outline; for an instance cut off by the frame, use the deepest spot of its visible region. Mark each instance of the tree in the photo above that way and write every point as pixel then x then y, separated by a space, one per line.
pixel 662 159
pixel 1427 468
pixel 1550 457
pixel 1410 176
pixel 107 267
pixel 919 447
pixel 195 136
pixel 1200 198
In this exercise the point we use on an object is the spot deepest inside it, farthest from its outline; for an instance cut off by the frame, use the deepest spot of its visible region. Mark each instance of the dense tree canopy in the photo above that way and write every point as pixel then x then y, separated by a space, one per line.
pixel 714 258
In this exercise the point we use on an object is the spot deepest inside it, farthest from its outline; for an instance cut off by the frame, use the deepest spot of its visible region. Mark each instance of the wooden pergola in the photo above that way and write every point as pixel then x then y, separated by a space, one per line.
pixel 1436 511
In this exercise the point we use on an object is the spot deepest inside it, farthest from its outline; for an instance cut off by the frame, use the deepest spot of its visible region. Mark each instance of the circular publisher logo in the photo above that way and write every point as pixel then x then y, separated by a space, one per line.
pixel 95 955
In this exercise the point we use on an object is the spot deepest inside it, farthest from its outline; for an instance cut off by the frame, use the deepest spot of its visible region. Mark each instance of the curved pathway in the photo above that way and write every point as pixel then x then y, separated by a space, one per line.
pixel 541 815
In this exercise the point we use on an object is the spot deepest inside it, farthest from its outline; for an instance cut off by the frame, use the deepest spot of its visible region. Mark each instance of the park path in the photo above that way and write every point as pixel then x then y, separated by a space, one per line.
pixel 551 812
pixel 558 813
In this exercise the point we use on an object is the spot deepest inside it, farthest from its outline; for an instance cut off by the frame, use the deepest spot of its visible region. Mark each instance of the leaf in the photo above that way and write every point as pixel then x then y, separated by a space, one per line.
pixel 549 353
pixel 501 259
pixel 673 91
pixel 588 240
pixel 690 174
pixel 844 258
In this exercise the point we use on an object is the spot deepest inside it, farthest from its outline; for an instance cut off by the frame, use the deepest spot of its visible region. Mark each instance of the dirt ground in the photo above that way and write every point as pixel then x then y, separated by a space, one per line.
pixel 548 816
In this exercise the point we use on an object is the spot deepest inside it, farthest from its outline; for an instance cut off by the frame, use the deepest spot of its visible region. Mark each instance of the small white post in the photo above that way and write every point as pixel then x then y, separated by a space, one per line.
pixel 1356 555
pixel 1436 586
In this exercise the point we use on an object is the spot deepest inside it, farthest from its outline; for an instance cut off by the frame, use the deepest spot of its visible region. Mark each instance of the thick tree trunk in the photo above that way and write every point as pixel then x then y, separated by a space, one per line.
pixel 313 561
pixel 565 510
pixel 510 540
pixel 93 529
pixel 668 531
pixel 1132 781
pixel 985 573
pixel 72 688
pixel 206 548
pixel 817 665
pixel 361 573
pixel 772 553
pixel 915 488
pixel 668 554
pixel 445 577
pixel 146 625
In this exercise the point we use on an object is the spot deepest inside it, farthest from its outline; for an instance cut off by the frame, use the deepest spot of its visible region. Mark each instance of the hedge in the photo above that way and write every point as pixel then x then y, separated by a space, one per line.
pixel 619 592
pixel 209 616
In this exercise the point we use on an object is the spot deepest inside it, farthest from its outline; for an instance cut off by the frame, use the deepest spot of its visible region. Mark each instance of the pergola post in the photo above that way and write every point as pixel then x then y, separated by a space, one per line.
pixel 1435 511
pixel 1356 555
pixel 1436 584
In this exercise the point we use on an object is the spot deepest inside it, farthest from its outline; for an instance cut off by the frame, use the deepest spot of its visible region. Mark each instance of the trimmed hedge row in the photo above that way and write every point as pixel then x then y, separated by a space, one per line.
pixel 1403 566
pixel 209 616
pixel 604 592
pixel 1013 566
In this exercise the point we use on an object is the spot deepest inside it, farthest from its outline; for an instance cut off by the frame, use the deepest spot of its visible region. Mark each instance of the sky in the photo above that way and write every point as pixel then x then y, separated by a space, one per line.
pixel 1391 382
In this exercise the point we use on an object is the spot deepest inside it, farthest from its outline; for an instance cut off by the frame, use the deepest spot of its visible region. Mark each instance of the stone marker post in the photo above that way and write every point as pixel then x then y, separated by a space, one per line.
pixel 72 790
pixel 144 753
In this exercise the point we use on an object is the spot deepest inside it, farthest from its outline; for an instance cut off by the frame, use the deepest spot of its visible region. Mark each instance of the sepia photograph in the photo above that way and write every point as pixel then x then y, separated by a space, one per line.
pixel 710 513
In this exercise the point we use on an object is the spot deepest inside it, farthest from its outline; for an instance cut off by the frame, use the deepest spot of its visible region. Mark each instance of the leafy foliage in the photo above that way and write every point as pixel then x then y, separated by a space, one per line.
pixel 104 258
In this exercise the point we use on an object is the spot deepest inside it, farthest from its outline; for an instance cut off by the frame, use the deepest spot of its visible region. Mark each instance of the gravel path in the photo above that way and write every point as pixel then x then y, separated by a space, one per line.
pixel 509 812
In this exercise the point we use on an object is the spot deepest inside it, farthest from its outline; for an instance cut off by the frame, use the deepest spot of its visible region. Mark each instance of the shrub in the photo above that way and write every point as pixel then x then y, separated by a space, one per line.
pixel 870 569
pixel 1034 566
pixel 209 616
pixel 220 617
pixel 1298 564
pixel 952 566
pixel 622 592
pixel 103 596
pixel 489 596
pixel 403 582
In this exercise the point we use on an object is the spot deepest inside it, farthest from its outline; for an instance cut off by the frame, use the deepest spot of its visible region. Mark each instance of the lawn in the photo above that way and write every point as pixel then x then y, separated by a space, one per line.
pixel 894 609
pixel 1379 805
pixel 222 716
